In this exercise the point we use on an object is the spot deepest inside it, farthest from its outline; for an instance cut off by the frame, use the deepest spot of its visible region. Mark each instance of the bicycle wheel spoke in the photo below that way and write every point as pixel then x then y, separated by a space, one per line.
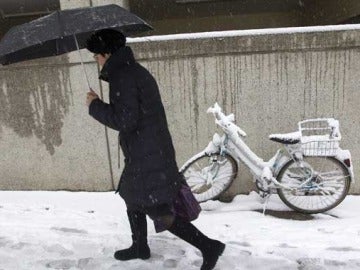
pixel 224 177
pixel 195 181
pixel 336 179
pixel 197 164
pixel 329 173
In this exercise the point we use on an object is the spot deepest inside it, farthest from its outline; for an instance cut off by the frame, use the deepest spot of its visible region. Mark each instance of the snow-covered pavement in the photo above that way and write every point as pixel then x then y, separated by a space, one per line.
pixel 79 230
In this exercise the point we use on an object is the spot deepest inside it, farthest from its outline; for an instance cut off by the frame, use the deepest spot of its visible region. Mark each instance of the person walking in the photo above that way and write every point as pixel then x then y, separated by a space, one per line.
pixel 150 181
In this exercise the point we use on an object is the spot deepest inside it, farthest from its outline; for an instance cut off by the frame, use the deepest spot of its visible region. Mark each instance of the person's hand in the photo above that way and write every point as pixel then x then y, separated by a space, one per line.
pixel 90 97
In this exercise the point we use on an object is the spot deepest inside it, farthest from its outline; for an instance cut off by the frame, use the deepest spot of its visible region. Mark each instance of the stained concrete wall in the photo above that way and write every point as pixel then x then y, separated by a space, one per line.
pixel 269 81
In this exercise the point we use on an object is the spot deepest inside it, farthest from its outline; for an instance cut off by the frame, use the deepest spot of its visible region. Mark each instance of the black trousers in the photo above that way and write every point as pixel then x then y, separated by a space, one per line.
pixel 162 215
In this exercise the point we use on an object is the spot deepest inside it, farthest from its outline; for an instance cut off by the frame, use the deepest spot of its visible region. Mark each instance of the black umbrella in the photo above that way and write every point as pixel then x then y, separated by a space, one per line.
pixel 65 31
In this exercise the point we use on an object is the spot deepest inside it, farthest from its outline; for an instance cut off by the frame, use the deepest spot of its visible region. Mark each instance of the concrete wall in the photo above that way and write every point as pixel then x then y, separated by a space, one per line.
pixel 269 81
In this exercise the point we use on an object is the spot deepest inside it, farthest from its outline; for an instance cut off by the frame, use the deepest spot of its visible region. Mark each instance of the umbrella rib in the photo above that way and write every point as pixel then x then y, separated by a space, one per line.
pixel 82 62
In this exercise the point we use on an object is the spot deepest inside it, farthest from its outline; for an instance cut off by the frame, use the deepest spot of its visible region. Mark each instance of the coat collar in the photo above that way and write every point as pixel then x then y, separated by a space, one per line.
pixel 122 57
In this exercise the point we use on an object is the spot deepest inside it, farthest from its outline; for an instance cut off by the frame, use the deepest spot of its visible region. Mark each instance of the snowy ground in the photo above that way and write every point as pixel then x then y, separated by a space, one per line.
pixel 64 230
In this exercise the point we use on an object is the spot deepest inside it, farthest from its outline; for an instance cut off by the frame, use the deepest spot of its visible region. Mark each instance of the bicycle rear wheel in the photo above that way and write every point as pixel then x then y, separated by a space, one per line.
pixel 328 185
pixel 210 175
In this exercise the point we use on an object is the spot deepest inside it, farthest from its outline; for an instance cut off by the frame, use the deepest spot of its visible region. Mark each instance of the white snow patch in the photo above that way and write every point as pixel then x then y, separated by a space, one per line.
pixel 79 230
pixel 250 32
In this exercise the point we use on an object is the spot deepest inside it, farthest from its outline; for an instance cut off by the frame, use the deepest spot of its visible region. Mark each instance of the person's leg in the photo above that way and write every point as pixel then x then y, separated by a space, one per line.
pixel 162 215
pixel 210 249
pixel 139 248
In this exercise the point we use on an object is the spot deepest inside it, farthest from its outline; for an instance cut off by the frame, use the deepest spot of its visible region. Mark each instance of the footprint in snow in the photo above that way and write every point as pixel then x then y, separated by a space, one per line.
pixel 231 251
pixel 82 263
pixel 355 262
pixel 4 242
pixel 284 245
pixel 19 245
pixel 68 230
pixel 243 244
pixel 170 263
pixel 176 252
pixel 198 253
pixel 310 264
pixel 197 263
pixel 61 264
pixel 104 250
pixel 334 263
pixel 324 231
pixel 156 257
pixel 173 249
pixel 57 248
pixel 343 249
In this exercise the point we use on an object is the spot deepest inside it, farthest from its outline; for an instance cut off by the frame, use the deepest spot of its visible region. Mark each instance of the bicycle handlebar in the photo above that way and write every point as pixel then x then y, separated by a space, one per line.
pixel 225 122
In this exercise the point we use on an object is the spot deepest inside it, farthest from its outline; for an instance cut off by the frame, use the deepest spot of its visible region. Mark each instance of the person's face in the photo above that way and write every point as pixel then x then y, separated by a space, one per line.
pixel 101 59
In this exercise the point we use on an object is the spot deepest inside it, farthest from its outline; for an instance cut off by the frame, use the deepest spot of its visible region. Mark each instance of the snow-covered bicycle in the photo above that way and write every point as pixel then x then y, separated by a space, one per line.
pixel 311 173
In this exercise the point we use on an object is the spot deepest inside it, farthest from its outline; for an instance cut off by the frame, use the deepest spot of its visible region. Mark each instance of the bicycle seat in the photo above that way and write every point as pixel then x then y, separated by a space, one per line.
pixel 286 138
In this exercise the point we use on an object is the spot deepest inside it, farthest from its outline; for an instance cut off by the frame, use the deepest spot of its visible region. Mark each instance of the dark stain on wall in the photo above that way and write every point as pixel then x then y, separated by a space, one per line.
pixel 34 102
pixel 194 89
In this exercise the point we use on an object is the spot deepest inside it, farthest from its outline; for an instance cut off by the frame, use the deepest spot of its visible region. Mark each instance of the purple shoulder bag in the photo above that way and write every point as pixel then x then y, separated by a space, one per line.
pixel 185 205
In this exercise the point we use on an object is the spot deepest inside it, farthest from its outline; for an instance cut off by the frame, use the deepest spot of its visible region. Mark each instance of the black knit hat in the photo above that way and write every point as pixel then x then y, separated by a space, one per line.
pixel 105 41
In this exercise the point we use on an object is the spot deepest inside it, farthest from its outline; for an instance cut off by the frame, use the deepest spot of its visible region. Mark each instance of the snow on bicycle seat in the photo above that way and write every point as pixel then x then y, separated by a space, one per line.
pixel 286 138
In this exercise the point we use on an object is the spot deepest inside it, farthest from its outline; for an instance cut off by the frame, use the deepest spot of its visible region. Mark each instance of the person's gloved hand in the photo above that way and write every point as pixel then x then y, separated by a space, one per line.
pixel 90 97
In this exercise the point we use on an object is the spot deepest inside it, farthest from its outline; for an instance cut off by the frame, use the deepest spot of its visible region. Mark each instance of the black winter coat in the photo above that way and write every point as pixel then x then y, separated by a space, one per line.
pixel 150 176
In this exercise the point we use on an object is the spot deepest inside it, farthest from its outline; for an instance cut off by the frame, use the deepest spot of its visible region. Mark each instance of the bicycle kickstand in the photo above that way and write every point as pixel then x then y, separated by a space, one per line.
pixel 265 200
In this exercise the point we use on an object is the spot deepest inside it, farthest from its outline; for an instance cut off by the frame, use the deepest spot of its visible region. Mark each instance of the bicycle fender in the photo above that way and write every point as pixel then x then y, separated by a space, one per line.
pixel 344 156
pixel 279 164
pixel 210 149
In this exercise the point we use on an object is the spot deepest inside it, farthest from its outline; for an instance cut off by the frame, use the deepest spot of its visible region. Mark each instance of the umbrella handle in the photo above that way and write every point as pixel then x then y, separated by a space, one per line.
pixel 82 62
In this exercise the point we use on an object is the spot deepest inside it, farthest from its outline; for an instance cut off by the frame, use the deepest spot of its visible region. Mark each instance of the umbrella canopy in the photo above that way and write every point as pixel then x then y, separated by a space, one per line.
pixel 65 31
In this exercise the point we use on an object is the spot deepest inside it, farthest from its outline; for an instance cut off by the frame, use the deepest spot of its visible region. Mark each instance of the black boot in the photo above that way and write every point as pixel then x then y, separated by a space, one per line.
pixel 210 249
pixel 139 248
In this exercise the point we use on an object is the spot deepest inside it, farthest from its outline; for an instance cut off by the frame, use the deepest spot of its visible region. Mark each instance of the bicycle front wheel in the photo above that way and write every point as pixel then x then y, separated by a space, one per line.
pixel 318 184
pixel 210 175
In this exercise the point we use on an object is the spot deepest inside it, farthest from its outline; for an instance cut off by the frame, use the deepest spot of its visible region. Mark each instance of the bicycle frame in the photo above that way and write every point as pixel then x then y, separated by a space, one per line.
pixel 236 147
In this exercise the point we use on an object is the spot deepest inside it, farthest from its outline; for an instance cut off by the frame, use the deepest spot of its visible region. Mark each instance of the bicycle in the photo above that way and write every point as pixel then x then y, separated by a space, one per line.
pixel 311 173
